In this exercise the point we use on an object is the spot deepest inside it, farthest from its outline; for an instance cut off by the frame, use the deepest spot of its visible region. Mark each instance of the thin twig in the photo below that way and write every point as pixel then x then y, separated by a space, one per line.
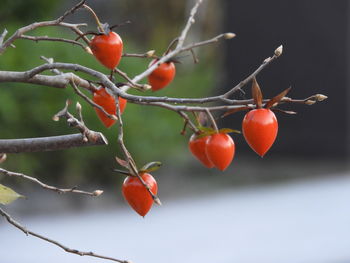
pixel 212 120
pixel 88 135
pixel 46 38
pixel 71 11
pixel 131 163
pixel 91 102
pixel 150 100
pixel 65 248
pixel 3 35
pixel 49 187
pixel 57 22
pixel 131 83
pixel 51 143
pixel 149 54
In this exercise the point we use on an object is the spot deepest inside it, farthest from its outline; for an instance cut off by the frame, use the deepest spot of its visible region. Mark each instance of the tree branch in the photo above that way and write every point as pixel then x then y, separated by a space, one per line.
pixel 59 81
pixel 55 39
pixel 49 187
pixel 57 22
pixel 131 163
pixel 65 248
pixel 52 143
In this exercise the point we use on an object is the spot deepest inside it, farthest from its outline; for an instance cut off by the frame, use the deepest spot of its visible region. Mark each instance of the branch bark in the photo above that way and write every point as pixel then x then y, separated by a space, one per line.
pixel 49 187
pixel 56 243
pixel 52 143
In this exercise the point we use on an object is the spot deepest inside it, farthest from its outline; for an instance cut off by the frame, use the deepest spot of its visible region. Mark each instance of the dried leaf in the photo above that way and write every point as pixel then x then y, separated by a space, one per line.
pixel 228 130
pixel 277 98
pixel 256 93
pixel 205 131
pixel 7 195
pixel 122 162
pixel 150 167
pixel 202 118
pixel 234 111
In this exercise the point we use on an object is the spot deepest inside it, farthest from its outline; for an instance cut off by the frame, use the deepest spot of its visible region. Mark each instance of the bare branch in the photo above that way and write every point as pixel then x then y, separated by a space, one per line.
pixel 65 248
pixel 203 43
pixel 132 84
pixel 88 100
pixel 150 100
pixel 88 135
pixel 46 38
pixel 3 35
pixel 60 81
pixel 212 120
pixel 188 25
pixel 250 77
pixel 71 11
pixel 48 187
pixel 131 163
pixel 148 54
pixel 23 30
pixel 52 143
pixel 57 22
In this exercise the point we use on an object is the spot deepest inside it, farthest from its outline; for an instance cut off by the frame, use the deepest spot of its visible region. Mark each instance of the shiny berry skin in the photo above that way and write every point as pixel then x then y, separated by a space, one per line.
pixel 220 150
pixel 161 76
pixel 260 129
pixel 136 194
pixel 107 101
pixel 107 49
pixel 197 148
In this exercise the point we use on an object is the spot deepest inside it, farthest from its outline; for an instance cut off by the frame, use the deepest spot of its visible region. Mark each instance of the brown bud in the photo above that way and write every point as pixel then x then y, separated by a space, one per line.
pixel 78 107
pixel 320 97
pixel 88 50
pixel 150 53
pixel 229 35
pixel 279 51
pixel 97 192
pixel 157 201
pixel 310 102
pixel 146 87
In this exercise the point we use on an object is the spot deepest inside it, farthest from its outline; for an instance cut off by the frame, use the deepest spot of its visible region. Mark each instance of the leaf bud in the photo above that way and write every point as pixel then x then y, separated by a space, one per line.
pixel 320 97
pixel 229 35
pixel 310 102
pixel 279 51
pixel 150 53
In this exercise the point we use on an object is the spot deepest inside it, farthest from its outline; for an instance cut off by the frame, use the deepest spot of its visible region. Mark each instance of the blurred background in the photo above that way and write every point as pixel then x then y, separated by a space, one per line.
pixel 290 206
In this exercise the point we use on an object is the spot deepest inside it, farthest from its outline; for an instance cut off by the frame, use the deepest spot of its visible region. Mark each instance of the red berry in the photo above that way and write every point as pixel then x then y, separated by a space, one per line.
pixel 136 194
pixel 260 129
pixel 107 101
pixel 197 147
pixel 162 75
pixel 220 150
pixel 107 49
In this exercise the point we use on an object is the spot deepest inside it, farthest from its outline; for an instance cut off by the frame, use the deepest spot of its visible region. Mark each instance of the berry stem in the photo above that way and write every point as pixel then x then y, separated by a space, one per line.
pixel 98 22
pixel 212 120
pixel 172 43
